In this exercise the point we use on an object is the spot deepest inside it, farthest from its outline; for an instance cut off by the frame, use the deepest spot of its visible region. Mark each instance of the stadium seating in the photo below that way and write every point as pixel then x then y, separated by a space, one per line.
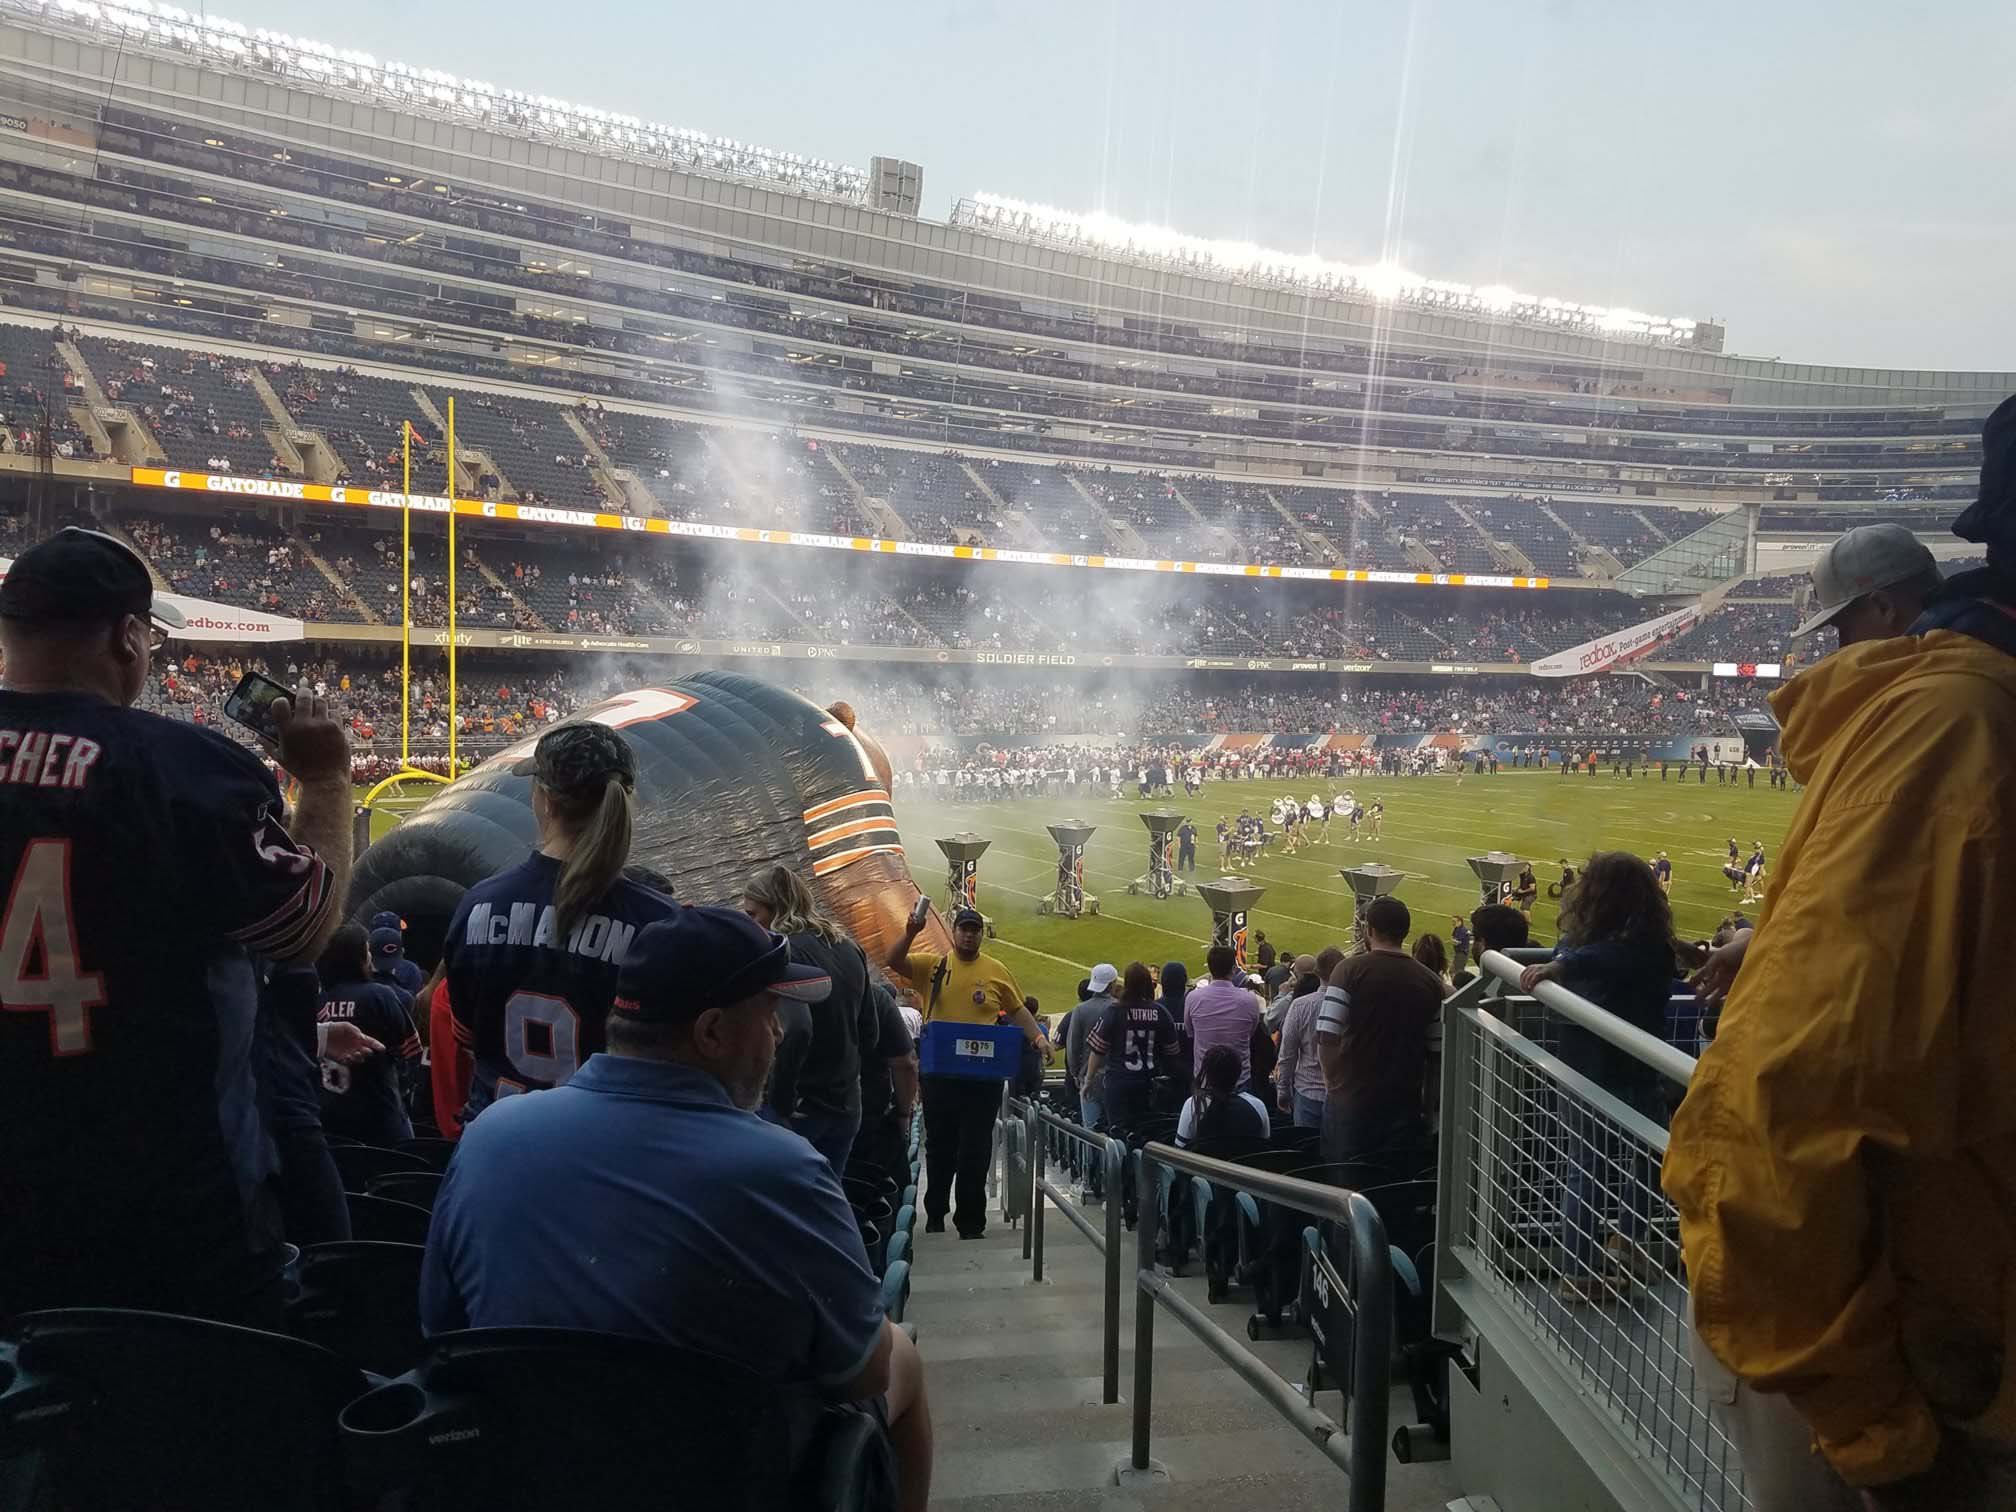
pixel 472 1427
pixel 1616 528
pixel 360 1300
pixel 543 460
pixel 34 371
pixel 239 559
pixel 193 402
pixel 211 418
pixel 360 417
pixel 138 1409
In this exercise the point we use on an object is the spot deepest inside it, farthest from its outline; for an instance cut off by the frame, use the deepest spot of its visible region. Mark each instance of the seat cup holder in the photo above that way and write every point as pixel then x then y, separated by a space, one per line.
pixel 390 1433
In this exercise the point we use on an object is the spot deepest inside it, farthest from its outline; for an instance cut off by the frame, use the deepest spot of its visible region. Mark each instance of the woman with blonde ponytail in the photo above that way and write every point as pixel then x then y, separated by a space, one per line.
pixel 815 1085
pixel 532 953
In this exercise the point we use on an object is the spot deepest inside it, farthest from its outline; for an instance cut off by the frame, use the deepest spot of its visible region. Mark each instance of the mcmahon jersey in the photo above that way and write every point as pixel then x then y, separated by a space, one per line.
pixel 529 1000
pixel 143 864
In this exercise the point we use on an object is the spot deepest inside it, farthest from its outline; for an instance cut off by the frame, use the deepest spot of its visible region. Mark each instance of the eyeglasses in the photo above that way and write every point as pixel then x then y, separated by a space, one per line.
pixel 157 639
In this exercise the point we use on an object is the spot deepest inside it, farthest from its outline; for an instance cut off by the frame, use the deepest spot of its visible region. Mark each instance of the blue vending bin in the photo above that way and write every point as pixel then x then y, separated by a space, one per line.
pixel 984 1052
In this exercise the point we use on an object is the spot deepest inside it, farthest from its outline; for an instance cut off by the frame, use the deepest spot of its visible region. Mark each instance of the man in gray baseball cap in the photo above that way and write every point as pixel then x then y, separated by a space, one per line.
pixel 1870 584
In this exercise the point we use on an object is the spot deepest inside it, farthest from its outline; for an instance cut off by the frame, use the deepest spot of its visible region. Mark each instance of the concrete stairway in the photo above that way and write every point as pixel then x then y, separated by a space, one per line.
pixel 1013 1371
pixel 1325 547
pixel 1214 542
pixel 119 532
pixel 876 519
pixel 1646 517
pixel 1594 554
pixel 524 609
pixel 306 453
pixel 127 439
pixel 1506 554
pixel 336 580
pixel 620 483
pixel 1121 538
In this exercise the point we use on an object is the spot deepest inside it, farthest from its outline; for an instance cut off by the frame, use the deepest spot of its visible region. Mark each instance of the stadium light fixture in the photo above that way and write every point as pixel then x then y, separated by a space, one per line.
pixel 1246 262
pixel 168 29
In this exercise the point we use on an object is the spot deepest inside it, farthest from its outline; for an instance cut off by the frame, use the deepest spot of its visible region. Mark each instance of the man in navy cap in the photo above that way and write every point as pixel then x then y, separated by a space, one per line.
pixel 645 1197
pixel 145 865
pixel 388 954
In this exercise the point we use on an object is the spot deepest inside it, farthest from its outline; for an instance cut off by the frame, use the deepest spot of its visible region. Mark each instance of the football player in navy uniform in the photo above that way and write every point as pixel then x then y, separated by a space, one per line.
pixel 145 865
pixel 532 953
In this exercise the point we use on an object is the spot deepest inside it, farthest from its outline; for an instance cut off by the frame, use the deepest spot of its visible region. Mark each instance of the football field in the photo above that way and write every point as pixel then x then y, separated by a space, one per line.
pixel 1432 824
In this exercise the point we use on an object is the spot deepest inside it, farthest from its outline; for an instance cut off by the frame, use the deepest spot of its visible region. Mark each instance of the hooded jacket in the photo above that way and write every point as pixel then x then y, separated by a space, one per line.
pixel 1844 1162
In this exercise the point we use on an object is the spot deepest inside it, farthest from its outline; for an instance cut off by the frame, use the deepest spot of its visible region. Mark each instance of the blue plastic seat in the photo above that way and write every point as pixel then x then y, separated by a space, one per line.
pixel 360 1299
pixel 153 1410
pixel 531 1419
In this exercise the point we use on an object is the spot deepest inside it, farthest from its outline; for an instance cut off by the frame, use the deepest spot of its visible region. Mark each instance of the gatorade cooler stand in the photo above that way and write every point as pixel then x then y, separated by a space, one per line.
pixel 1159 881
pixel 1069 900
pixel 1373 880
pixel 962 878
pixel 1230 899
pixel 1496 871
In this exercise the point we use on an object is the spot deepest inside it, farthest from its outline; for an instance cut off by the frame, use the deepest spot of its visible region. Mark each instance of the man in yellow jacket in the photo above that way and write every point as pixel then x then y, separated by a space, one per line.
pixel 1845 1161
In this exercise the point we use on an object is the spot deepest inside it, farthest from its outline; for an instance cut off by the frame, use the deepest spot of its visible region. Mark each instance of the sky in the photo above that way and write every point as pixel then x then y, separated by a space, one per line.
pixel 1834 181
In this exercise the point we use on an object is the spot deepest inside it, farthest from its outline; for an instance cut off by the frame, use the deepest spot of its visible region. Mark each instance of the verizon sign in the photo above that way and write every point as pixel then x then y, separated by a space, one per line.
pixel 1624 646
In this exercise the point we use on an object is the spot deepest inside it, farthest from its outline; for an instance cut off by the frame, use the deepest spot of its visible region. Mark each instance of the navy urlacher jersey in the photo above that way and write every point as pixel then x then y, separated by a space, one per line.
pixel 530 998
pixel 143 864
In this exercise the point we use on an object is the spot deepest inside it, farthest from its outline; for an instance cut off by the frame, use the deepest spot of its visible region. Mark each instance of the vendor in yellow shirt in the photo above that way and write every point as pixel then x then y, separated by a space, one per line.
pixel 965 987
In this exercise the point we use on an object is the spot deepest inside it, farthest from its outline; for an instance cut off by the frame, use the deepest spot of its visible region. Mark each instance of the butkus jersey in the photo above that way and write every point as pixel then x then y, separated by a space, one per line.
pixel 143 865
pixel 530 998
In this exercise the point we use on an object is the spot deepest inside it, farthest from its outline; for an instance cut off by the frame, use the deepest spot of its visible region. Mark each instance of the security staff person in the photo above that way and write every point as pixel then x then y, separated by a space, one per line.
pixel 965 987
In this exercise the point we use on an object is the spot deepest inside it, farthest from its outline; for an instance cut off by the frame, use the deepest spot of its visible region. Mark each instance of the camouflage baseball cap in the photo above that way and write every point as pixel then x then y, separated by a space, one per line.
pixel 572 758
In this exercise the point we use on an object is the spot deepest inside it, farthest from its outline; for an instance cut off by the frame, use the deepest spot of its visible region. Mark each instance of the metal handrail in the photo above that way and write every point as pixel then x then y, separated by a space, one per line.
pixel 1372 1339
pixel 1108 1243
pixel 1668 1060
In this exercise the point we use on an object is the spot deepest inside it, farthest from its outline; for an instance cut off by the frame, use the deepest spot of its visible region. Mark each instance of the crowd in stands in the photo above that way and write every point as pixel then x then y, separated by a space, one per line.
pixel 502 697
pixel 204 409
pixel 342 570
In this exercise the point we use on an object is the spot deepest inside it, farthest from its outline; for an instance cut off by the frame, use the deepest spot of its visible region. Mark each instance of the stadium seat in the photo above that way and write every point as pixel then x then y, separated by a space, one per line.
pixel 361 1299
pixel 532 1419
pixel 357 1164
pixel 416 1187
pixel 386 1220
pixel 435 1151
pixel 896 1290
pixel 140 1410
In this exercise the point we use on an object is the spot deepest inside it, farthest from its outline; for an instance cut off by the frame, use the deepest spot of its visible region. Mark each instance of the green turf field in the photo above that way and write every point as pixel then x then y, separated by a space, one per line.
pixel 1432 823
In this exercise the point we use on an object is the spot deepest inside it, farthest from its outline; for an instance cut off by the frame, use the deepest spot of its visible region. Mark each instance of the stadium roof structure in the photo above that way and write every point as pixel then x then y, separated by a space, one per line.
pixel 1384 283
pixel 173 32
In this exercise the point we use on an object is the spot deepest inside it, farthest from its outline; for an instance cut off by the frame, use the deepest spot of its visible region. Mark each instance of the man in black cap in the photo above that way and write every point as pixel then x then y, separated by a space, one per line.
pixel 645 1197
pixel 145 864
pixel 1849 1132
pixel 965 987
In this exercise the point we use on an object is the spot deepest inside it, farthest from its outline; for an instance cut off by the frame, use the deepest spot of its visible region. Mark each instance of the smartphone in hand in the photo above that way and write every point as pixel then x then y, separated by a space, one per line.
pixel 251 704
pixel 920 912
